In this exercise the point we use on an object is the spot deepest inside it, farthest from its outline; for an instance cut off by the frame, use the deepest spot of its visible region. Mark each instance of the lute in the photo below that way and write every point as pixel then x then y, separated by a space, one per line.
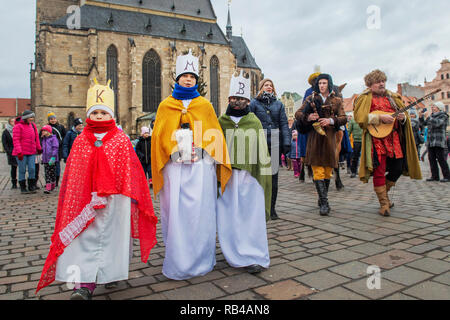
pixel 382 130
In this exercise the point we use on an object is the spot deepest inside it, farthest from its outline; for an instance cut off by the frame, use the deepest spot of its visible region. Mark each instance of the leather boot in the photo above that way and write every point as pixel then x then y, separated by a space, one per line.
pixel 323 201
pixel 23 187
pixel 389 185
pixel 14 184
pixel 339 184
pixel 31 185
pixel 383 199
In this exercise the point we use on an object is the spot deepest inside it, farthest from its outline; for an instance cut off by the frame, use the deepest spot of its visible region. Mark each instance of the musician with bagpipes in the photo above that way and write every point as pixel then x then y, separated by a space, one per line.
pixel 388 144
pixel 321 115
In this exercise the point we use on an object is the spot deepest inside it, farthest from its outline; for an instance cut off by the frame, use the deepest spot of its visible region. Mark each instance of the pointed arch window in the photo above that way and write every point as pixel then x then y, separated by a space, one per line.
pixel 112 74
pixel 151 82
pixel 214 68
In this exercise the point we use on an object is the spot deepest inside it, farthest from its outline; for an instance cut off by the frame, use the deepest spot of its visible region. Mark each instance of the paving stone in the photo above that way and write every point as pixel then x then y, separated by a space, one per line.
pixel 312 264
pixel 337 293
pixel 342 255
pixel 405 275
pixel 426 247
pixel 399 296
pixel 203 291
pixel 353 270
pixel 322 279
pixel 391 259
pixel 280 272
pixel 444 278
pixel 429 290
pixel 386 288
pixel 430 265
pixel 369 248
pixel 246 295
pixel 168 285
pixel 239 283
pixel 285 290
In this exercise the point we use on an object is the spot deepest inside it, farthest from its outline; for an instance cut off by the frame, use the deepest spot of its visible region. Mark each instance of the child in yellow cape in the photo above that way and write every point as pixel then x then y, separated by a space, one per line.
pixel 189 160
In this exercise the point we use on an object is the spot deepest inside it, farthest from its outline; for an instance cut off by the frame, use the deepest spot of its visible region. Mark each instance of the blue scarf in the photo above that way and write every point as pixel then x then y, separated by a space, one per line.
pixel 183 93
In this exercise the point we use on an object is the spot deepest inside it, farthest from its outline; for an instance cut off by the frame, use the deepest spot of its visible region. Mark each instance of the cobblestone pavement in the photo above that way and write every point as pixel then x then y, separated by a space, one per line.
pixel 312 257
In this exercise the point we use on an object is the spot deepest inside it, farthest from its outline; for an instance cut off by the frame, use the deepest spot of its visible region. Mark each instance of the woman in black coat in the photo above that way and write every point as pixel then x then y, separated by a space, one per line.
pixel 270 111
pixel 7 141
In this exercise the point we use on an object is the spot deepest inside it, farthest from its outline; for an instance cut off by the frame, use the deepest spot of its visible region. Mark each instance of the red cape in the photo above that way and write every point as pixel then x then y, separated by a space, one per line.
pixel 92 174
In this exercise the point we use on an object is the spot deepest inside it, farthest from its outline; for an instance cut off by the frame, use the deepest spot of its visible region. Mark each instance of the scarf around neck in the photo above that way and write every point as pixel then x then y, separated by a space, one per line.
pixel 183 93
pixel 100 126
pixel 10 129
pixel 237 112
pixel 267 98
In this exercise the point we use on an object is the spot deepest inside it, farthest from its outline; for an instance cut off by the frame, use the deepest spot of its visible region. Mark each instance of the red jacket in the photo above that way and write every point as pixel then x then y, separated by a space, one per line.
pixel 25 138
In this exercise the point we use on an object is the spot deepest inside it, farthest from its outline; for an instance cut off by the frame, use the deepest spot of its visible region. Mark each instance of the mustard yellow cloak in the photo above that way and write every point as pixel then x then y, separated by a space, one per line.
pixel 208 135
pixel 361 115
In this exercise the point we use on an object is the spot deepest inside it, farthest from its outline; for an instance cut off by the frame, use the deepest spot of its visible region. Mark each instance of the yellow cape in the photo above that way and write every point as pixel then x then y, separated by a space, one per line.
pixel 208 135
pixel 361 114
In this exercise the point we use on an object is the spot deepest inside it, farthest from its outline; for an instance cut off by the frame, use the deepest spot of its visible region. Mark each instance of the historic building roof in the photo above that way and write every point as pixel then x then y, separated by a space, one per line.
pixel 243 55
pixel 194 8
pixel 116 20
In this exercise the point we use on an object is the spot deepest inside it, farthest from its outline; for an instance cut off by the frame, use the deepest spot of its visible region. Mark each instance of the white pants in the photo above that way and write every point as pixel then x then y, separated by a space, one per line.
pixel 101 253
pixel 241 222
pixel 188 218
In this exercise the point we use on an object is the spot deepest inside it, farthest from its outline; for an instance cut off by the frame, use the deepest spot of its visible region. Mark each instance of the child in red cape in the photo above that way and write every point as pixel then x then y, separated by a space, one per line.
pixel 104 202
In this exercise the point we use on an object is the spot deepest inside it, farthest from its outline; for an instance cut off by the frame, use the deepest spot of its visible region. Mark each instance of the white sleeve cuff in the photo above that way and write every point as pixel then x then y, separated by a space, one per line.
pixel 331 121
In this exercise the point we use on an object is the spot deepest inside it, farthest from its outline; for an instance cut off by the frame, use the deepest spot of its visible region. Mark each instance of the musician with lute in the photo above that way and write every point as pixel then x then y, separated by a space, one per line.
pixel 321 115
pixel 388 144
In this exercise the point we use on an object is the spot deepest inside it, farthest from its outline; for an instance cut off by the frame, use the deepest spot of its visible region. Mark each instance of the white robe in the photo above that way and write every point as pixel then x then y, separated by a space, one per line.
pixel 101 253
pixel 188 217
pixel 241 221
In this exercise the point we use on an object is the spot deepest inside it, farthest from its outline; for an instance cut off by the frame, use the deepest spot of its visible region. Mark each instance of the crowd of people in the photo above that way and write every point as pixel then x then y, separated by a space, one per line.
pixel 208 184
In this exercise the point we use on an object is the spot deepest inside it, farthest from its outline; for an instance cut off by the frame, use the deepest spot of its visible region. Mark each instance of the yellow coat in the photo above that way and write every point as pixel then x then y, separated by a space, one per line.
pixel 208 135
pixel 361 114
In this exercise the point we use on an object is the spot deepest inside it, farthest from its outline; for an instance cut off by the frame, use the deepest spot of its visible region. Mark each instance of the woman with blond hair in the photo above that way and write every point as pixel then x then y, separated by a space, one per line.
pixel 270 111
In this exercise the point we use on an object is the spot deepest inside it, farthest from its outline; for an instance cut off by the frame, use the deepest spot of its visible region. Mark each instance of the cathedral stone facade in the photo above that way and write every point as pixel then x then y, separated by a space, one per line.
pixel 135 44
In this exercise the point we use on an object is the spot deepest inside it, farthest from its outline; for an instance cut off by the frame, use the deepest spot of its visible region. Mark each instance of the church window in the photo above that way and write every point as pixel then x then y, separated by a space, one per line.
pixel 215 84
pixel 151 81
pixel 112 74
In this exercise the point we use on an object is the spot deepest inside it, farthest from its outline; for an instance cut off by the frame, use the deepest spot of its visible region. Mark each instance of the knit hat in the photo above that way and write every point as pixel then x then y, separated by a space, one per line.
pixel 47 128
pixel 27 114
pixel 100 98
pixel 77 122
pixel 51 115
pixel 439 105
pixel 312 78
pixel 145 130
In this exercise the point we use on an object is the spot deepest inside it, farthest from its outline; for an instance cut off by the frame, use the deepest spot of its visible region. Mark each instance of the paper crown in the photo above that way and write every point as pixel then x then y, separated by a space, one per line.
pixel 240 86
pixel 100 98
pixel 187 64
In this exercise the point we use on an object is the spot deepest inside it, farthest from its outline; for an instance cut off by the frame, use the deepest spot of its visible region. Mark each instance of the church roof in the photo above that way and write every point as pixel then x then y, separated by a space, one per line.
pixel 242 53
pixel 194 8
pixel 114 20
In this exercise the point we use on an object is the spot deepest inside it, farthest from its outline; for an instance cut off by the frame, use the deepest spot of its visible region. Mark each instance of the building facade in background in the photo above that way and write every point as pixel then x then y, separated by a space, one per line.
pixel 135 44
pixel 442 81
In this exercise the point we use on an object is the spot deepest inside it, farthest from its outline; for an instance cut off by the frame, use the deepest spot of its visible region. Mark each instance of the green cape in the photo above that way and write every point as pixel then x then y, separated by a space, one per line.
pixel 256 159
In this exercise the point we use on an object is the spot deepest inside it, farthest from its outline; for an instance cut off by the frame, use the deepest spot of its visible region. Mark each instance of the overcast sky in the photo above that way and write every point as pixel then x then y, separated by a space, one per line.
pixel 288 38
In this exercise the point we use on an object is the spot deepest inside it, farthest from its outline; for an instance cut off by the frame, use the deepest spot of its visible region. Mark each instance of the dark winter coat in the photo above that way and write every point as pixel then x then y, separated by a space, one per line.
pixel 273 116
pixel 8 146
pixel 68 142
pixel 60 132
pixel 415 124
pixel 437 124
pixel 321 150
pixel 143 150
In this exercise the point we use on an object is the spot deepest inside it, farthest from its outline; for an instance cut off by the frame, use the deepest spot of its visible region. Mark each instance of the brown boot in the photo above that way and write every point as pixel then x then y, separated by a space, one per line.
pixel 389 185
pixel 383 199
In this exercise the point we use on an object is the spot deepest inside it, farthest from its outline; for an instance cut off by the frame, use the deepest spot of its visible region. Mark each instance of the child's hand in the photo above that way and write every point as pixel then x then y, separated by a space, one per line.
pixel 52 161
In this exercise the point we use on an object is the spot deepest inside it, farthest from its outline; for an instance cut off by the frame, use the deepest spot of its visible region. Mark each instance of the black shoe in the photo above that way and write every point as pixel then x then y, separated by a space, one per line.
pixel 81 294
pixel 31 185
pixel 14 184
pixel 112 285
pixel 353 175
pixel 23 187
pixel 273 215
pixel 432 179
pixel 254 268
pixel 445 180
